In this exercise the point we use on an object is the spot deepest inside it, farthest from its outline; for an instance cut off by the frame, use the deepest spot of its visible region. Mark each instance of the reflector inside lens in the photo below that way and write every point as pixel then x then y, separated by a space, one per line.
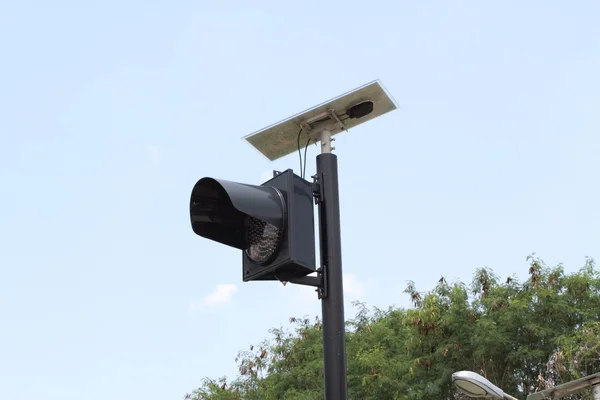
pixel 263 240
pixel 470 389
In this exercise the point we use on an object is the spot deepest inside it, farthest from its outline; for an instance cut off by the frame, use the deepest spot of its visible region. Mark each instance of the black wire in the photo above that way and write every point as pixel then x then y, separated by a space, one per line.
pixel 303 167
pixel 300 152
pixel 305 148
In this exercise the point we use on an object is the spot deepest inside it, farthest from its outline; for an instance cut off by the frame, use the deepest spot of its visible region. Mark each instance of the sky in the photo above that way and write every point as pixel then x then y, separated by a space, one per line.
pixel 110 111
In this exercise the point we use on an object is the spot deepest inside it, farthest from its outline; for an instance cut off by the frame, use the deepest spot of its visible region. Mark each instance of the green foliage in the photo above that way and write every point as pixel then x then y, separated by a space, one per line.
pixel 523 336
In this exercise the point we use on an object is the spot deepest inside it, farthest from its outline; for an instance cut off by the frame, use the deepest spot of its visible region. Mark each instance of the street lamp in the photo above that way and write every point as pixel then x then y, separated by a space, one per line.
pixel 475 385
pixel 272 224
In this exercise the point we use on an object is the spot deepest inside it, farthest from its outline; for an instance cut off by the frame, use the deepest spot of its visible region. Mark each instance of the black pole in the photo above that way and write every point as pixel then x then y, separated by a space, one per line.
pixel 334 340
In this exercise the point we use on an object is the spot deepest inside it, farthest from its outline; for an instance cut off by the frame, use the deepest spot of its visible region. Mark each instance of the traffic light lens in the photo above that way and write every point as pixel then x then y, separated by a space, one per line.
pixel 263 240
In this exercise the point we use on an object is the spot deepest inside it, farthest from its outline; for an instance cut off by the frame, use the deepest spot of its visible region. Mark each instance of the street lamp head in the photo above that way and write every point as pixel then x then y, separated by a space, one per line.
pixel 475 385
pixel 360 110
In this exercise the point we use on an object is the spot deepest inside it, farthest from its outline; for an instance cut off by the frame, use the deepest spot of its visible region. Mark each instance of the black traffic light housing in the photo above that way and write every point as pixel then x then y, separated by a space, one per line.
pixel 273 224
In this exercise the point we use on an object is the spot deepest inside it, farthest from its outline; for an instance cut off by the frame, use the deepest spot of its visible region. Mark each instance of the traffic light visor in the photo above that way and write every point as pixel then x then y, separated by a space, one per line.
pixel 246 217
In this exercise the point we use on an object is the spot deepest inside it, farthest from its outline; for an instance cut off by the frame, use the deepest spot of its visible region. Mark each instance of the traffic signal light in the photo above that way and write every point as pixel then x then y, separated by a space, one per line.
pixel 273 224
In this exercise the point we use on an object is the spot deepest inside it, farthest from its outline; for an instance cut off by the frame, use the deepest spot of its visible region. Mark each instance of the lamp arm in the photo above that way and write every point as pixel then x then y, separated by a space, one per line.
pixel 509 397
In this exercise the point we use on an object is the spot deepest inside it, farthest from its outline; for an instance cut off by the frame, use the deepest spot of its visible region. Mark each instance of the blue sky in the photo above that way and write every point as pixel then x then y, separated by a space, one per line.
pixel 111 111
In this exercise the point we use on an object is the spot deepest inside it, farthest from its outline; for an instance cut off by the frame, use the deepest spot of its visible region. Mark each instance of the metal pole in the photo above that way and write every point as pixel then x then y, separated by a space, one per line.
pixel 595 392
pixel 334 341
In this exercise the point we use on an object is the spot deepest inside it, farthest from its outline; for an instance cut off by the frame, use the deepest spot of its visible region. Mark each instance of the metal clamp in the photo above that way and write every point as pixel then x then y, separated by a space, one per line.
pixel 317 189
pixel 319 282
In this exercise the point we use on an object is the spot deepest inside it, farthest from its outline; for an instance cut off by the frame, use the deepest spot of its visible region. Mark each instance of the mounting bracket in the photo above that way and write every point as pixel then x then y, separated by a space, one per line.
pixel 317 189
pixel 319 282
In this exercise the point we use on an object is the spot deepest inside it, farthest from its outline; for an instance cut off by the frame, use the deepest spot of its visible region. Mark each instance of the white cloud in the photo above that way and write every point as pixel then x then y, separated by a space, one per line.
pixel 154 153
pixel 220 296
pixel 353 287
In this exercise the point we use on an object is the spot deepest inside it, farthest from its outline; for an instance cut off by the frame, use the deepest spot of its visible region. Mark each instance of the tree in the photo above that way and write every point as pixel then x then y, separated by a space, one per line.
pixel 523 336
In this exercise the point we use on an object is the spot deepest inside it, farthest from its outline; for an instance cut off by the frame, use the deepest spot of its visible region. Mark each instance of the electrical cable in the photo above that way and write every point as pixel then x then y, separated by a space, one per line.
pixel 305 149
pixel 299 151
pixel 303 165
